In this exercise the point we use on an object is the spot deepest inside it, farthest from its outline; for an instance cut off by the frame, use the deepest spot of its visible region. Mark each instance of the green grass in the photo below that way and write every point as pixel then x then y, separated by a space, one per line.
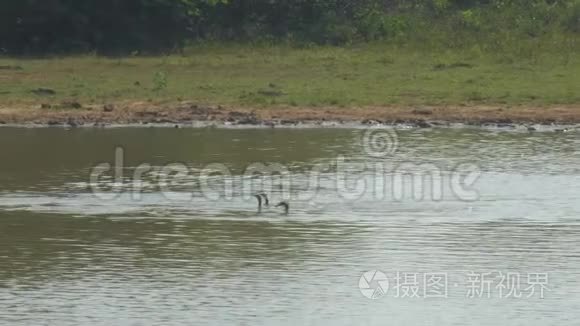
pixel 241 75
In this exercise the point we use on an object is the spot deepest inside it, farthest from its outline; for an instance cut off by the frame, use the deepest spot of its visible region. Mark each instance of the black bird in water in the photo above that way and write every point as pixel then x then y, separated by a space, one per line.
pixel 264 201
pixel 285 205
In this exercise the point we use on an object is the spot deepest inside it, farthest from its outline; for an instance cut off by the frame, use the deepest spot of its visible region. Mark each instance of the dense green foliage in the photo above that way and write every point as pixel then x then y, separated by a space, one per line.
pixel 105 26
pixel 41 26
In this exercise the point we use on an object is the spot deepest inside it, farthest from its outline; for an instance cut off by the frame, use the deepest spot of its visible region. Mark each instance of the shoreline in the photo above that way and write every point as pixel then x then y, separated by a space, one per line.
pixel 189 114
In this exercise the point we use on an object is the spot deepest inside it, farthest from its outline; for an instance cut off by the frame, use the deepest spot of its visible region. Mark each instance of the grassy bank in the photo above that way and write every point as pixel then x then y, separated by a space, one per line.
pixel 269 76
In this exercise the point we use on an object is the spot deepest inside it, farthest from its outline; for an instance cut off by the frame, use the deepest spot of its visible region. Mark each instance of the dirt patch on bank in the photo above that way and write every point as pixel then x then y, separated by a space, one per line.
pixel 76 114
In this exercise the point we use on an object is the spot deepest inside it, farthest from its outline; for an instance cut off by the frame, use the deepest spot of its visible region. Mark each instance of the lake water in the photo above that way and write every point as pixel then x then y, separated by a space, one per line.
pixel 464 226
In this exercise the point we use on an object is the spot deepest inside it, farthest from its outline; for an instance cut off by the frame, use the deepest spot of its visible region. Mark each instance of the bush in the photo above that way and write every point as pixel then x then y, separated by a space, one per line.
pixel 148 26
pixel 571 18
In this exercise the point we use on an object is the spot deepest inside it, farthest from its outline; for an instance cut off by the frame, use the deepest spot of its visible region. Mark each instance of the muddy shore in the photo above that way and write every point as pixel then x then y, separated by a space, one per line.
pixel 73 114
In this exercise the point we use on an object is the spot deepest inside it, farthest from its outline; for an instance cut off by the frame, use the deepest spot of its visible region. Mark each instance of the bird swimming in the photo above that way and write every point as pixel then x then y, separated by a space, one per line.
pixel 265 197
pixel 262 200
pixel 285 205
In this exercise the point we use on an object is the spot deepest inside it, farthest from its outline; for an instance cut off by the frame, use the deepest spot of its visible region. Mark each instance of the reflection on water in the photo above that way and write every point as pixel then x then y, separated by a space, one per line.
pixel 68 257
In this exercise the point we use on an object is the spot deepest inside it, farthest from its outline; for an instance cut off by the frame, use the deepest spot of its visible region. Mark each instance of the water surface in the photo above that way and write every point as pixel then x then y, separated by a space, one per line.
pixel 168 254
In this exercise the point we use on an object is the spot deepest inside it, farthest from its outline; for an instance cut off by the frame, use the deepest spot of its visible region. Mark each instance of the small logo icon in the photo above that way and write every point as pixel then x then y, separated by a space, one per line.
pixel 374 284
pixel 380 142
